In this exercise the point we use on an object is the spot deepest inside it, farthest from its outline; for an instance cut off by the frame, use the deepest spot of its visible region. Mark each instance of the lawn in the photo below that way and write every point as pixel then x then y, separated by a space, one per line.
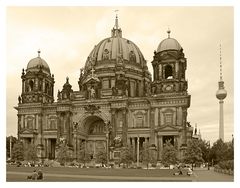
pixel 87 174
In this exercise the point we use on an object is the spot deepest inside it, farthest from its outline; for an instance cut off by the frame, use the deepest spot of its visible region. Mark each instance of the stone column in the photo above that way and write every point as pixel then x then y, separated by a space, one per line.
pixel 184 112
pixel 43 85
pixel 156 117
pixel 19 124
pixel 137 89
pixel 67 118
pixel 128 142
pixel 59 122
pixel 113 122
pixel 125 127
pixel 46 148
pixel 152 135
pixel 157 72
pixel 160 148
pixel 22 121
pixel 160 71
pixel 134 147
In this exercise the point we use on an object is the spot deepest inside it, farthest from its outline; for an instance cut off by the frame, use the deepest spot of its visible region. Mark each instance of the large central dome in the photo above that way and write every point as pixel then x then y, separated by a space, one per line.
pixel 115 67
pixel 111 49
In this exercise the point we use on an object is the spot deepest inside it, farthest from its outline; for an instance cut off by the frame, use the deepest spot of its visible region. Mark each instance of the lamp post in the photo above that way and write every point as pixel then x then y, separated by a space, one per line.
pixel 11 147
pixel 208 154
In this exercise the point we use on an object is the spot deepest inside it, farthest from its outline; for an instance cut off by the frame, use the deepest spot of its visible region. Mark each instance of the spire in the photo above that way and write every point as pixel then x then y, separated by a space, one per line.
pixel 116 31
pixel 39 52
pixel 168 32
pixel 220 63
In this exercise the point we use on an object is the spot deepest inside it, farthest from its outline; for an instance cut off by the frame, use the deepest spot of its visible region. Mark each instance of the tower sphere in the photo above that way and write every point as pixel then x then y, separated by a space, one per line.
pixel 221 94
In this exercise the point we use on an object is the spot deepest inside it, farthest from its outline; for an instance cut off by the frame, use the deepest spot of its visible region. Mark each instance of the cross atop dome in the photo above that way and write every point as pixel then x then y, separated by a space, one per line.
pixel 39 52
pixel 168 32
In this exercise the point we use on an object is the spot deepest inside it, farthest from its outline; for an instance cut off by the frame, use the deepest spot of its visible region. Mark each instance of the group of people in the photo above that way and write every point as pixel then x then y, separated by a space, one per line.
pixel 36 175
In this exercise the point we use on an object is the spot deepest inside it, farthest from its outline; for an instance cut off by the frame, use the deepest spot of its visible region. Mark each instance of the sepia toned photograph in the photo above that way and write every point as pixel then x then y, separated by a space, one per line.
pixel 120 94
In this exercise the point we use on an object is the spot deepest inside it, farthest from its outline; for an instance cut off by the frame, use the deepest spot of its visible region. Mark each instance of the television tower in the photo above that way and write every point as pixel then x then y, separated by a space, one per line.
pixel 221 95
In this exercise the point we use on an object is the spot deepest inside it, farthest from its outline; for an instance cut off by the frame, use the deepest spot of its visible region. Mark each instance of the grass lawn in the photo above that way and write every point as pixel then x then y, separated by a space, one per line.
pixel 83 174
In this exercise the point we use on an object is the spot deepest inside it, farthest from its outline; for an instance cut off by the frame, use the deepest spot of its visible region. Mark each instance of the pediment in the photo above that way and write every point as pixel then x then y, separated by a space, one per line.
pixel 91 80
pixel 27 131
pixel 167 128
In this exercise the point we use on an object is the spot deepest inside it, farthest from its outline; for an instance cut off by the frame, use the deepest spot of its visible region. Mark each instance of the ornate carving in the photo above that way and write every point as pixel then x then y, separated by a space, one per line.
pixel 117 141
pixel 105 54
pixel 19 100
pixel 132 56
pixel 91 108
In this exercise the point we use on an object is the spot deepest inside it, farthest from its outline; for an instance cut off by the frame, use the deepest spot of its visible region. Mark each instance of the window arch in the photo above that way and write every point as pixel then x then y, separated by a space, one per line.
pixel 31 85
pixel 168 72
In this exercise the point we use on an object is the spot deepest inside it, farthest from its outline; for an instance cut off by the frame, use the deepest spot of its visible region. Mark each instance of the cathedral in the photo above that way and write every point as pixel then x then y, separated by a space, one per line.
pixel 118 103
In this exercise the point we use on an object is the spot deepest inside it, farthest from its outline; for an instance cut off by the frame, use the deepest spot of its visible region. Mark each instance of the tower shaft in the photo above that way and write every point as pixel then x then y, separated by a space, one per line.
pixel 221 120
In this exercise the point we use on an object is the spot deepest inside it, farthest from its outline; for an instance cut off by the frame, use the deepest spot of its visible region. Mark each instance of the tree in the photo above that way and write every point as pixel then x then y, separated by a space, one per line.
pixel 193 153
pixel 30 153
pixel 13 140
pixel 83 156
pixel 169 154
pixel 63 154
pixel 101 157
pixel 204 145
pixel 126 156
pixel 221 151
pixel 17 152
pixel 146 155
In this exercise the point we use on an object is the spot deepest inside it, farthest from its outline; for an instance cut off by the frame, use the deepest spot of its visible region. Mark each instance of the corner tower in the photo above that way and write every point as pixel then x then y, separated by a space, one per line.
pixel 170 99
pixel 37 82
pixel 169 66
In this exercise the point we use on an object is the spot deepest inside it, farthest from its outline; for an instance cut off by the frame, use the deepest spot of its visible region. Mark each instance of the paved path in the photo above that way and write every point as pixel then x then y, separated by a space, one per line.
pixel 210 175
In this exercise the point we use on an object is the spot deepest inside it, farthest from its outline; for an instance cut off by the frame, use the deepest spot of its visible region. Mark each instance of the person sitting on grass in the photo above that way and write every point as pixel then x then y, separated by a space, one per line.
pixel 40 175
pixel 33 176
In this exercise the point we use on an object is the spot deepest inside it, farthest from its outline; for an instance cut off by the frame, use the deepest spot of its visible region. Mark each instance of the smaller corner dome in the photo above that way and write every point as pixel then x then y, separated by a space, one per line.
pixel 169 44
pixel 36 63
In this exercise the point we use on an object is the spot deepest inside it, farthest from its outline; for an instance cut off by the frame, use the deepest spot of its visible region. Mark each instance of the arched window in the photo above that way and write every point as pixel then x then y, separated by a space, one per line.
pixel 168 72
pixel 31 85
pixel 47 88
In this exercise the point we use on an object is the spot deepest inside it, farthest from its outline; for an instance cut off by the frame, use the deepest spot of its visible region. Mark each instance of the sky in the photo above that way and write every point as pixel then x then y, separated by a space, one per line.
pixel 66 36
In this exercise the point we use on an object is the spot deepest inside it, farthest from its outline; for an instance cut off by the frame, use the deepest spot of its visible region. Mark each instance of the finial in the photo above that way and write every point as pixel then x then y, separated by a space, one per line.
pixel 116 19
pixel 92 71
pixel 39 52
pixel 168 32
pixel 67 78
pixel 220 62
pixel 195 129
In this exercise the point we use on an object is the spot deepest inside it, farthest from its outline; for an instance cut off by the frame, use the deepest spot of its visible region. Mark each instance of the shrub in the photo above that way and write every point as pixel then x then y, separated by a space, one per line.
pixel 226 165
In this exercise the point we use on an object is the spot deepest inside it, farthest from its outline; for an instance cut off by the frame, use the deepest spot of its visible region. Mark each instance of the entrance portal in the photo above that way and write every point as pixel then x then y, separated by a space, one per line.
pixel 96 140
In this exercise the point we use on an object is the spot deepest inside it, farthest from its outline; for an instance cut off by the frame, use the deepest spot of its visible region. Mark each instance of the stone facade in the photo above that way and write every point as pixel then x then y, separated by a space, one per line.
pixel 117 104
